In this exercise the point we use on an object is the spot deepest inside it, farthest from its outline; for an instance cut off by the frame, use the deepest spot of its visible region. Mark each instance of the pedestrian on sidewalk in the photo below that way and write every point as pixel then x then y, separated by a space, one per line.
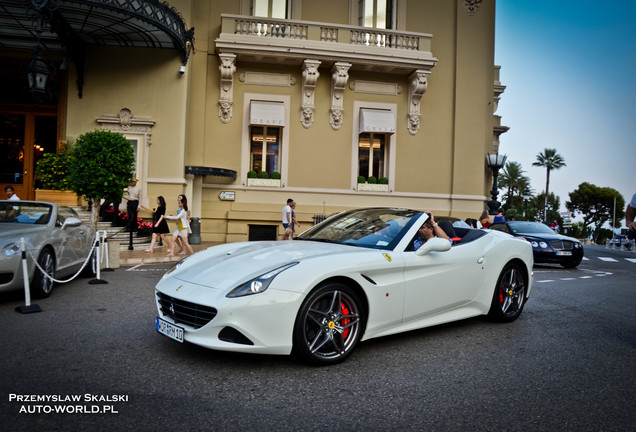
pixel 159 226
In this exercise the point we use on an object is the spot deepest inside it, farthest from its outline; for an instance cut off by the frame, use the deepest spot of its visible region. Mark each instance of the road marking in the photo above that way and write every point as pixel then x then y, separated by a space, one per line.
pixel 631 260
pixel 607 259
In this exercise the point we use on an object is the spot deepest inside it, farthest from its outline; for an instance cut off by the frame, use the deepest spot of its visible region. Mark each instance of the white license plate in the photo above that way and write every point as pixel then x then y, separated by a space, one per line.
pixel 170 330
pixel 564 253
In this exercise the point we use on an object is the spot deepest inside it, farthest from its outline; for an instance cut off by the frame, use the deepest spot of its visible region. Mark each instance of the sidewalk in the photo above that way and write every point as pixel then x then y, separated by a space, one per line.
pixel 138 256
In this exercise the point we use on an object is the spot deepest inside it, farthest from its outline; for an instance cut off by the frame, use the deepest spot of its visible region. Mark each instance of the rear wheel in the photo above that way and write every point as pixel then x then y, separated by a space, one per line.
pixel 329 325
pixel 510 294
pixel 43 284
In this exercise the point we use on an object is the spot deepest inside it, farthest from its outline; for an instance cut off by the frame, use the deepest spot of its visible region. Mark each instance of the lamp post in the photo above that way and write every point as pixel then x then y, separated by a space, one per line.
pixel 495 162
pixel 526 198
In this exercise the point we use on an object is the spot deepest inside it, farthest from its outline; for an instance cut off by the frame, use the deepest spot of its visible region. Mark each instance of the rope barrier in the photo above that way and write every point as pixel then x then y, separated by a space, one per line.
pixel 37 265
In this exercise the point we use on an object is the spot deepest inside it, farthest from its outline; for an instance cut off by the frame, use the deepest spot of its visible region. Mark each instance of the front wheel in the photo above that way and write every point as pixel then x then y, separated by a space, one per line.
pixel 510 294
pixel 329 325
pixel 42 282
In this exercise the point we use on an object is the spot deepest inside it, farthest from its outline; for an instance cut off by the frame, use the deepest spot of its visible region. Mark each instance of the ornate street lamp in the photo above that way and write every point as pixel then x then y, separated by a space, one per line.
pixel 495 162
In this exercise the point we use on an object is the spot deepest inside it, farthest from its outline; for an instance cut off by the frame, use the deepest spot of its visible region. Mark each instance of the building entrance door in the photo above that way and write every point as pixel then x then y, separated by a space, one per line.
pixel 24 138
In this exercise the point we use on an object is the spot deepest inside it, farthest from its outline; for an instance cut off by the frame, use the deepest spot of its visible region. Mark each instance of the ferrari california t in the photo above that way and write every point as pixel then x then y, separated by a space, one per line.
pixel 548 246
pixel 353 277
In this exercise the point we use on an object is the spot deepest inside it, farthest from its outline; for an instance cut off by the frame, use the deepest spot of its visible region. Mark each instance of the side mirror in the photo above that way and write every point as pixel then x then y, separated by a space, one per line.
pixel 434 245
pixel 71 222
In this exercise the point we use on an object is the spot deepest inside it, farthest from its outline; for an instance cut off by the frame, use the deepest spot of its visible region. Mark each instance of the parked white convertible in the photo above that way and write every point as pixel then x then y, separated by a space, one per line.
pixel 353 277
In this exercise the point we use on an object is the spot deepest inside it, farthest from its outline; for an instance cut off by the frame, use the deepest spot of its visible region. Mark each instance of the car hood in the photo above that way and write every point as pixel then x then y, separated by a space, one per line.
pixel 225 266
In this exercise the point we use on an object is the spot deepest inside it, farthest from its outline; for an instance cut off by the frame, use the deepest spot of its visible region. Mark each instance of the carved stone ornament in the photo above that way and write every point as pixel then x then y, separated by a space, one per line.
pixel 339 77
pixel 472 6
pixel 226 99
pixel 126 122
pixel 418 81
pixel 310 76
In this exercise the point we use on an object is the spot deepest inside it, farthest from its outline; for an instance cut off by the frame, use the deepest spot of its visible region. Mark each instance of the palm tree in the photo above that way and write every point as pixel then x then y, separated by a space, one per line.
pixel 513 178
pixel 550 160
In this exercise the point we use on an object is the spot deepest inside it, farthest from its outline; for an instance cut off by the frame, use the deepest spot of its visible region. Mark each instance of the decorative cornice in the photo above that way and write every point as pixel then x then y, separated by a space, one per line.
pixel 125 121
pixel 339 77
pixel 310 76
pixel 226 99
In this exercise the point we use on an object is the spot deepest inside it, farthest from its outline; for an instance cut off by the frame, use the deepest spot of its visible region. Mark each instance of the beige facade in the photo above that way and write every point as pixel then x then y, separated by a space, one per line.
pixel 319 84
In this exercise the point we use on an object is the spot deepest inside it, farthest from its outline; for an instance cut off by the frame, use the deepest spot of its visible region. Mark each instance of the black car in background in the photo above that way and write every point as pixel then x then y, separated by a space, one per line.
pixel 547 245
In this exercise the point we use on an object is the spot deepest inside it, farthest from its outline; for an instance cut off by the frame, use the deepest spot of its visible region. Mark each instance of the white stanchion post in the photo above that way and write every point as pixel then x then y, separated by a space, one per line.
pixel 98 280
pixel 106 252
pixel 28 307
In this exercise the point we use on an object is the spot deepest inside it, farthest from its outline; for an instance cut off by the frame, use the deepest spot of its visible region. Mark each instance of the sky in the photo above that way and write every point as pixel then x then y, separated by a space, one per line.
pixel 569 67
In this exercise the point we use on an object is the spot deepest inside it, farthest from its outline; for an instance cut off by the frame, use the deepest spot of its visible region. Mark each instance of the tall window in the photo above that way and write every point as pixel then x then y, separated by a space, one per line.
pixel 372 155
pixel 376 13
pixel 265 148
pixel 270 8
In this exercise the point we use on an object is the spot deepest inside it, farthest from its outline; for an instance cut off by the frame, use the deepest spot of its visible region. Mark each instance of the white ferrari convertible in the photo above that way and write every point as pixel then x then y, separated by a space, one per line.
pixel 353 277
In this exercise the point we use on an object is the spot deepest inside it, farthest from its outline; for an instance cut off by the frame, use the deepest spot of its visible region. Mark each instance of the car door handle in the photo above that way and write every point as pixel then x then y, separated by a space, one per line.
pixel 480 260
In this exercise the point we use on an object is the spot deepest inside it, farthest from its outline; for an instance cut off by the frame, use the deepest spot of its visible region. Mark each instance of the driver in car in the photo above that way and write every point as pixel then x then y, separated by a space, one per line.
pixel 428 230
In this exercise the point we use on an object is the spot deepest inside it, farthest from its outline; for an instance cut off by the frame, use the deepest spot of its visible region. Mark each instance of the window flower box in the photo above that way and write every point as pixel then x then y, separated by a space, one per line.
pixel 373 187
pixel 263 182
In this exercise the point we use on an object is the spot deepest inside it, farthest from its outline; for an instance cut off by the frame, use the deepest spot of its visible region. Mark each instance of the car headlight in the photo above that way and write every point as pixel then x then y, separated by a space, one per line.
pixel 259 283
pixel 544 245
pixel 534 244
pixel 11 249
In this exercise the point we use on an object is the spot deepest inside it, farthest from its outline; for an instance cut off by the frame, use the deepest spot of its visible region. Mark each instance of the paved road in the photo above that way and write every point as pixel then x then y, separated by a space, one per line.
pixel 567 364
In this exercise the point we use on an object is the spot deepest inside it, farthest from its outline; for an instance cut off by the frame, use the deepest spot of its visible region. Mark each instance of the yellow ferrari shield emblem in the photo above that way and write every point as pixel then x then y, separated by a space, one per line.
pixel 331 324
pixel 387 256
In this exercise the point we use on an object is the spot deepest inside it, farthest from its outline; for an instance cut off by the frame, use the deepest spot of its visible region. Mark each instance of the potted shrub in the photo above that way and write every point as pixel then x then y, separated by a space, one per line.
pixel 53 170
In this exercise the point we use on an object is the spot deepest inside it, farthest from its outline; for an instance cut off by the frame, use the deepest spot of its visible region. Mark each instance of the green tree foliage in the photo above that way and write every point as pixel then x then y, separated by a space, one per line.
pixel 54 170
pixel 552 205
pixel 512 179
pixel 596 205
pixel 101 167
pixel 550 160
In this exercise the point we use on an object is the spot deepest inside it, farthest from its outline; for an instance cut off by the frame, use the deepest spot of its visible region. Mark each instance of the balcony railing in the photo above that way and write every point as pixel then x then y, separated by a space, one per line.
pixel 306 30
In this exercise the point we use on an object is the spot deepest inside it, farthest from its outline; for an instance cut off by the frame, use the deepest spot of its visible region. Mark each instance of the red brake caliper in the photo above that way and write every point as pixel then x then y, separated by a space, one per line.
pixel 501 291
pixel 345 321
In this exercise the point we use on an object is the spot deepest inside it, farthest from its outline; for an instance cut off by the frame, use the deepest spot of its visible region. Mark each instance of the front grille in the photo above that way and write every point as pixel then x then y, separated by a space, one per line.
pixel 184 312
pixel 562 245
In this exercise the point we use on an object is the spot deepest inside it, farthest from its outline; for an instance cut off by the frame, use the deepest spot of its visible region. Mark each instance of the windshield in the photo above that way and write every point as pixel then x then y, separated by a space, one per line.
pixel 25 213
pixel 378 228
pixel 519 227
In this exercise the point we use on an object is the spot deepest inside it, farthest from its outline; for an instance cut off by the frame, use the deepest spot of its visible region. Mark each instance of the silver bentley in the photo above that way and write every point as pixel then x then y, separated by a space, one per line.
pixel 53 235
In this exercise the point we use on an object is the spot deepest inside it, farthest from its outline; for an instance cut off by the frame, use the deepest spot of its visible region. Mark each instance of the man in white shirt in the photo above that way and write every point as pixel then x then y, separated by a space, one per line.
pixel 11 196
pixel 287 219
pixel 134 196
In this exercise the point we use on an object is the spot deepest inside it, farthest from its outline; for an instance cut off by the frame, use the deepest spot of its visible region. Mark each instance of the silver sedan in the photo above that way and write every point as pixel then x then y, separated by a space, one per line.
pixel 54 237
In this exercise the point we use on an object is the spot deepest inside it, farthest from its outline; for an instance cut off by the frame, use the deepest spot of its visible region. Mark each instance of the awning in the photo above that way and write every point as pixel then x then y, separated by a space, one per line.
pixel 70 27
pixel 267 113
pixel 376 120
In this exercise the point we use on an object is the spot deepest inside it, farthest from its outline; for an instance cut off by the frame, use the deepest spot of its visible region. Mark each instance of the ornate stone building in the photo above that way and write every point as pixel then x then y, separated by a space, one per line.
pixel 241 104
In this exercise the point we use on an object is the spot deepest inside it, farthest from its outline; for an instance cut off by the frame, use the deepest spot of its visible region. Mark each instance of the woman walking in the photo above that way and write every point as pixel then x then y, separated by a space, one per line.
pixel 162 229
pixel 183 227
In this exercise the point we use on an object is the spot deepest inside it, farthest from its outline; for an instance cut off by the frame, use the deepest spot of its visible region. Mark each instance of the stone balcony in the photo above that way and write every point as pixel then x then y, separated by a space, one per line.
pixel 256 39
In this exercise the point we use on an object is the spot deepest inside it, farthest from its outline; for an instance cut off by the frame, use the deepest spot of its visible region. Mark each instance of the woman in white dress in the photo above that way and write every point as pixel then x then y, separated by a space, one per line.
pixel 183 227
